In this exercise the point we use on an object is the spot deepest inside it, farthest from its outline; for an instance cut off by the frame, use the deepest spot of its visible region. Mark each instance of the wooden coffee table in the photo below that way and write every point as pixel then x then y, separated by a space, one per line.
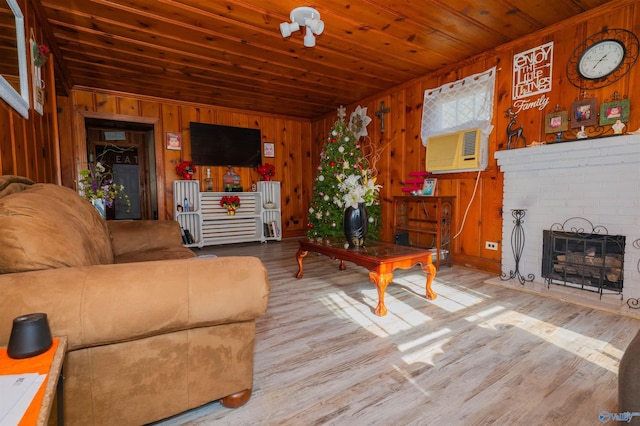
pixel 381 259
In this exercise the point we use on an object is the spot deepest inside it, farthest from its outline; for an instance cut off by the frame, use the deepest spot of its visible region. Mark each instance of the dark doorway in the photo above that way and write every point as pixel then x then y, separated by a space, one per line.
pixel 127 149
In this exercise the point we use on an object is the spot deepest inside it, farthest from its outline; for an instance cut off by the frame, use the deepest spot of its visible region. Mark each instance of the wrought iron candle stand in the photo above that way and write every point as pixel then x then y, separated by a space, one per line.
pixel 517 247
pixel 635 303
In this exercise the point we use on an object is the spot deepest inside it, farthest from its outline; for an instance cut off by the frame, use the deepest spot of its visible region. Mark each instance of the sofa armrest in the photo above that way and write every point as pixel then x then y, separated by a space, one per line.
pixel 103 304
pixel 131 236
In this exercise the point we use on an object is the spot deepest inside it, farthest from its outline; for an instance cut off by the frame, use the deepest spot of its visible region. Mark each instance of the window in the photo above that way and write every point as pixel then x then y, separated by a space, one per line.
pixel 462 105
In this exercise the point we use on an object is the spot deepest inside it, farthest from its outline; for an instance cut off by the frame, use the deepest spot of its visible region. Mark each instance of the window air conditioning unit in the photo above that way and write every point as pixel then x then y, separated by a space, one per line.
pixel 464 151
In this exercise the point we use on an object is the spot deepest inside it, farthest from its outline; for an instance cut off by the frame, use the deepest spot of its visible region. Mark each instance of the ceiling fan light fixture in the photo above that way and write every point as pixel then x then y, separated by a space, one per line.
pixel 304 17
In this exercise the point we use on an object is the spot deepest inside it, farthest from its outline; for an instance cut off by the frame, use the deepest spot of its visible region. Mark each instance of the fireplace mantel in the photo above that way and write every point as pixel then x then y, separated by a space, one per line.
pixel 580 153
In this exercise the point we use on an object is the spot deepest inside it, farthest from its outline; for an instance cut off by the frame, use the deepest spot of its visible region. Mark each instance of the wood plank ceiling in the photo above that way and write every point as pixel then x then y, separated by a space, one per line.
pixel 231 53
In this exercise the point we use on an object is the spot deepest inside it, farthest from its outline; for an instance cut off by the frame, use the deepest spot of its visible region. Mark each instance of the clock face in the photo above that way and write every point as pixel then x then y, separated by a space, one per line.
pixel 601 59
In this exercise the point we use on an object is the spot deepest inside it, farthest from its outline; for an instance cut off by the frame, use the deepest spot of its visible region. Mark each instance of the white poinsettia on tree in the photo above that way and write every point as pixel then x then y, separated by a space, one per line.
pixel 359 121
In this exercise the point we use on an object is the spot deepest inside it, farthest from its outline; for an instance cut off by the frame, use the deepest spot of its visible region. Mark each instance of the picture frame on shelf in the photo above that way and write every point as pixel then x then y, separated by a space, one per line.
pixel 610 112
pixel 429 187
pixel 174 141
pixel 269 150
pixel 556 122
pixel 584 113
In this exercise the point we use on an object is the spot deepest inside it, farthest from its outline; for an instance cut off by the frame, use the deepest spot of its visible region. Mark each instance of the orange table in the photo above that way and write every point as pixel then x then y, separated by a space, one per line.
pixel 49 363
pixel 379 258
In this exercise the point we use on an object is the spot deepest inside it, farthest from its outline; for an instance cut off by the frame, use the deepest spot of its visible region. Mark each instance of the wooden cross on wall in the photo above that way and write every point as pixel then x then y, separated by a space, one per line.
pixel 380 113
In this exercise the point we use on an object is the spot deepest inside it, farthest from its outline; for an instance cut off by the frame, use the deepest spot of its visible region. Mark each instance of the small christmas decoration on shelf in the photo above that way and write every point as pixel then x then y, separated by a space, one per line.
pixel 514 134
pixel 415 184
pixel 185 170
pixel 267 171
pixel 582 134
pixel 231 203
pixel 231 181
pixel 618 127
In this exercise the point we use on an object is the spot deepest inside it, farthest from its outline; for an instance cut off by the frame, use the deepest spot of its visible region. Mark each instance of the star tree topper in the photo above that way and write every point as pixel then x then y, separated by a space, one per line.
pixel 342 113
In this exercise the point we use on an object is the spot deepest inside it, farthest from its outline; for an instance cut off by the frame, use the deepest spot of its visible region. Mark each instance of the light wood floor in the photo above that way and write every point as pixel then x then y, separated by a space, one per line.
pixel 479 354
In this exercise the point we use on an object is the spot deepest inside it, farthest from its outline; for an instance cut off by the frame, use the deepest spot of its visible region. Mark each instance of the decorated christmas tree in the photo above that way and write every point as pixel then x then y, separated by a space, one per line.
pixel 343 180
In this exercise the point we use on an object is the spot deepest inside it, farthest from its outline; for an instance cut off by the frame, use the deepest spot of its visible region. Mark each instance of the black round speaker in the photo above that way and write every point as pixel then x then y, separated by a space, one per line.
pixel 30 336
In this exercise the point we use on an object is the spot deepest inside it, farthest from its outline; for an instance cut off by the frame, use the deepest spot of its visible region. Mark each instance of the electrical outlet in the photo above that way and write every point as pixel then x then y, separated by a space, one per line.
pixel 490 245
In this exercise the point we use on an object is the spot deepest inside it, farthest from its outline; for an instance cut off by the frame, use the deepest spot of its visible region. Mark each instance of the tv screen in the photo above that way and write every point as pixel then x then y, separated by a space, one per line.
pixel 216 145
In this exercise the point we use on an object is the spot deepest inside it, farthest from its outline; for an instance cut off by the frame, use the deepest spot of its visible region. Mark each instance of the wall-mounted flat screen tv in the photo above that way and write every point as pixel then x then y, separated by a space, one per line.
pixel 216 145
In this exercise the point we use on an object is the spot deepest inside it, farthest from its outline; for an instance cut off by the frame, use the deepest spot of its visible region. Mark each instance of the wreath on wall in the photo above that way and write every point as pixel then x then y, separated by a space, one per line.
pixel 40 54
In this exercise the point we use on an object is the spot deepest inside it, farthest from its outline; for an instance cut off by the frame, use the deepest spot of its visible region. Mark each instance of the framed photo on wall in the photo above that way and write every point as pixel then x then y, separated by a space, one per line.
pixel 584 113
pixel 611 112
pixel 174 141
pixel 429 187
pixel 269 149
pixel 556 122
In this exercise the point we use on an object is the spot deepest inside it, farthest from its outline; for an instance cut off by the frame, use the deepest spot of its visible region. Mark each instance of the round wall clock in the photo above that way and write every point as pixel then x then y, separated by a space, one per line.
pixel 602 59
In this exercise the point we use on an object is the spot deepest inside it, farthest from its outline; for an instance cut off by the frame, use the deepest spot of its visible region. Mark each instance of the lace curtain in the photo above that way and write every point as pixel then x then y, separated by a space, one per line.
pixel 461 105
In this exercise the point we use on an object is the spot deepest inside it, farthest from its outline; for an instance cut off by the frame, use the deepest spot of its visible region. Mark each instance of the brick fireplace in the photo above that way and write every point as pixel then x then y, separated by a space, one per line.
pixel 595 179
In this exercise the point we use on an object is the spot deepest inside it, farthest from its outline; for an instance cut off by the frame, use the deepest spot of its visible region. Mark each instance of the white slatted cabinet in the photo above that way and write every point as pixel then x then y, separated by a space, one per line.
pixel 218 227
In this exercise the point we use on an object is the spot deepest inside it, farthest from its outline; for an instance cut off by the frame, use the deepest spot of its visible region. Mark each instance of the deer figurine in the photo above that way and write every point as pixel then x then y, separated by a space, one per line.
pixel 514 133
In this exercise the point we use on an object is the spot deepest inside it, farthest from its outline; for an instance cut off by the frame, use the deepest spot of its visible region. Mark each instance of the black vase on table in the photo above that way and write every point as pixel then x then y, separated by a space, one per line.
pixel 355 225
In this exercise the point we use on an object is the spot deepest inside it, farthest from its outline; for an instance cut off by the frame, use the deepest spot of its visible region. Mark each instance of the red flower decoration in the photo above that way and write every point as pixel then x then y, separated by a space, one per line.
pixel 267 171
pixel 44 50
pixel 232 201
pixel 186 170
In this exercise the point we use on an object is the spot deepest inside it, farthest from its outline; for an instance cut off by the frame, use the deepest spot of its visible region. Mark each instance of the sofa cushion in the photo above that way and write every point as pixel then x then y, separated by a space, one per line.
pixel 166 253
pixel 10 184
pixel 146 240
pixel 49 226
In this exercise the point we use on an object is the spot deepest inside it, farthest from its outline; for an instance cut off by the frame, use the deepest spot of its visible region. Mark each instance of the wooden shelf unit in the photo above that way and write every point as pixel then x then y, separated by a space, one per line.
pixel 191 220
pixel 272 216
pixel 425 222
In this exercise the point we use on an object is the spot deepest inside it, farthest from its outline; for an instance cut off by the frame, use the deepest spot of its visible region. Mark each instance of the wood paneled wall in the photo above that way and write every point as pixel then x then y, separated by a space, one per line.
pixel 291 138
pixel 403 147
pixel 29 147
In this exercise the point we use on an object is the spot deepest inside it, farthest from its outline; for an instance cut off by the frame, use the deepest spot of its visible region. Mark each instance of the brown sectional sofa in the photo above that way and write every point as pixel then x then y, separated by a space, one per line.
pixel 152 329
